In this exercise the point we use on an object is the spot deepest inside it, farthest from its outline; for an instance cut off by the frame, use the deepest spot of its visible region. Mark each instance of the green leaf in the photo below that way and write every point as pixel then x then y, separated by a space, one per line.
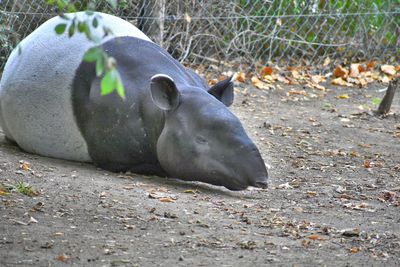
pixel 108 82
pixel 376 101
pixel 100 66
pixel 82 26
pixel 92 54
pixel 61 4
pixel 120 86
pixel 71 8
pixel 71 29
pixel 51 2
pixel 60 28
pixel 113 3
pixel 95 22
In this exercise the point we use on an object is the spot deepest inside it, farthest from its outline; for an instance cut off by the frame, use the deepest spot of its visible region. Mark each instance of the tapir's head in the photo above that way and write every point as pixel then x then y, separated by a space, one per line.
pixel 202 140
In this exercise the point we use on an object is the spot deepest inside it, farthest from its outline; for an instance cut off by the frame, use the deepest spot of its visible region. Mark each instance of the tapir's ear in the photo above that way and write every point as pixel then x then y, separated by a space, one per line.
pixel 223 91
pixel 164 92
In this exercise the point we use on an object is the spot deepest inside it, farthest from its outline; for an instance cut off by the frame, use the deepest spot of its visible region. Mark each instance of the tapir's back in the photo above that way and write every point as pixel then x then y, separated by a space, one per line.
pixel 35 92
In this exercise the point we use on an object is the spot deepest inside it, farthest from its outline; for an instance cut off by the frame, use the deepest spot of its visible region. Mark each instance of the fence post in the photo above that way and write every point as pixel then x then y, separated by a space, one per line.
pixel 151 19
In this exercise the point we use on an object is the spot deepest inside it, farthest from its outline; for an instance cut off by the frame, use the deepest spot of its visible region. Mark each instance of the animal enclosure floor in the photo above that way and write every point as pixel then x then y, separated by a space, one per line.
pixel 333 200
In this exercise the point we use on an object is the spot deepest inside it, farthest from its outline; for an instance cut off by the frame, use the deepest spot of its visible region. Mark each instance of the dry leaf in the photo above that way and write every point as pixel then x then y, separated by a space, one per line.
pixel 354 70
pixel 371 65
pixel 25 166
pixel 282 79
pixel 318 78
pixel 344 96
pixel 296 74
pixel 311 193
pixel 339 81
pixel 3 191
pixel 354 250
pixel 326 62
pixel 258 83
pixel 267 71
pixel 388 69
pixel 191 191
pixel 241 77
pixel 293 92
pixel 166 199
pixel 367 164
pixel 63 257
pixel 340 72
pixel 188 18
pixel 212 81
pixel 364 145
pixel 316 237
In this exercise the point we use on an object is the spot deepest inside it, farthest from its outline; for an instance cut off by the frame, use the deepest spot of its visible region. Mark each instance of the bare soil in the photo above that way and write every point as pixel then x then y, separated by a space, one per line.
pixel 333 199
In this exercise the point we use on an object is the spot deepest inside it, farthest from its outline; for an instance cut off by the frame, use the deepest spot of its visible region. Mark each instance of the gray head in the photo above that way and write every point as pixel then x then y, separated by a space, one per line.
pixel 202 140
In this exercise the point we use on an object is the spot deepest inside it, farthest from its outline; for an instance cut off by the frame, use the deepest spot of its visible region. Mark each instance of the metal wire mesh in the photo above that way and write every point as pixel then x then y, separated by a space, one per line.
pixel 240 33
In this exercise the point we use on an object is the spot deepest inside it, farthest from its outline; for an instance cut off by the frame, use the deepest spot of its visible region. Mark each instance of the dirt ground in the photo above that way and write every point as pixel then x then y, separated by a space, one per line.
pixel 333 200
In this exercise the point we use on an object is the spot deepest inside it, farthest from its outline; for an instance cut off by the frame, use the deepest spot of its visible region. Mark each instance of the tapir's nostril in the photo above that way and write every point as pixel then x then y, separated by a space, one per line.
pixel 261 184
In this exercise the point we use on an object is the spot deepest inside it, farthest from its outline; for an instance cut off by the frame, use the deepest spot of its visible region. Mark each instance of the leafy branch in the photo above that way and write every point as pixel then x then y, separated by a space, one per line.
pixel 106 66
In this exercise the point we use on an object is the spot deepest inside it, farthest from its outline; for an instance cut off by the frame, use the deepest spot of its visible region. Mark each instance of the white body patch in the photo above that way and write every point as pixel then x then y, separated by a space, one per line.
pixel 35 90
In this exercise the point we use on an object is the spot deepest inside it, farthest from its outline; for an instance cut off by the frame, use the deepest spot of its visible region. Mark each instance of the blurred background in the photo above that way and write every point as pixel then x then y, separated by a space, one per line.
pixel 238 34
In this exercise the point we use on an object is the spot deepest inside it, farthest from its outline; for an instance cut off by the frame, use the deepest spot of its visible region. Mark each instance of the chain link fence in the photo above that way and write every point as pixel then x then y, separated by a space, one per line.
pixel 240 33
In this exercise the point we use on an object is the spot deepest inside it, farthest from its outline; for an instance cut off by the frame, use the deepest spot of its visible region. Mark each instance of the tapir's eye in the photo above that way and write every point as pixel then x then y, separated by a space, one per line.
pixel 201 140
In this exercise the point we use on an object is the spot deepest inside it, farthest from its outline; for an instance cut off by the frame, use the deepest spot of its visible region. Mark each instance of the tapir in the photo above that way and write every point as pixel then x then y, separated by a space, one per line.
pixel 170 124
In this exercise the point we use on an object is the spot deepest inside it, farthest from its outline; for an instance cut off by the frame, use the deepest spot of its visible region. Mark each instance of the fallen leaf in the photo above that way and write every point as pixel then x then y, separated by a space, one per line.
pixel 24 165
pixel 311 193
pixel 316 237
pixel 340 72
pixel 63 257
pixel 354 70
pixel 293 92
pixel 188 18
pixel 267 71
pixel 166 199
pixel 326 62
pixel 354 250
pixel 191 191
pixel 296 74
pixel 339 81
pixel 367 164
pixel 282 79
pixel 344 96
pixel 258 83
pixel 3 191
pixel 212 82
pixel 318 78
pixel 371 65
pixel 388 69
pixel 365 145
pixel 241 77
